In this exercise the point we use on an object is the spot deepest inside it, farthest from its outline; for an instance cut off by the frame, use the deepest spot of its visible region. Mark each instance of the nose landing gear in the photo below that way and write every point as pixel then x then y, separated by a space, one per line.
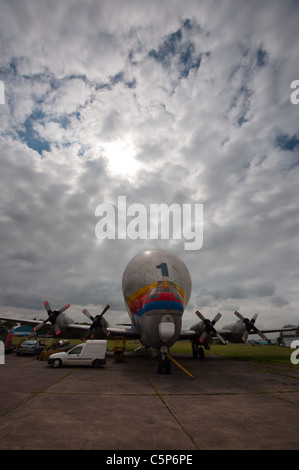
pixel 163 362
pixel 163 365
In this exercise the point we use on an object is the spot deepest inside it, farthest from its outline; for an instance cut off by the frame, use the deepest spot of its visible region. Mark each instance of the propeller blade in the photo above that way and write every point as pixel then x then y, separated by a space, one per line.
pixel 47 306
pixel 215 332
pixel 254 318
pixel 203 337
pixel 56 329
pixel 217 317
pixel 37 327
pixel 86 312
pixel 245 336
pixel 239 315
pixel 220 338
pixel 200 315
pixel 63 309
pixel 86 333
pixel 258 332
pixel 105 310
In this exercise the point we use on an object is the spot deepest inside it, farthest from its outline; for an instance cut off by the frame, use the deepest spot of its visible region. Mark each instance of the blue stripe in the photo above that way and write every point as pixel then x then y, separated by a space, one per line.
pixel 160 305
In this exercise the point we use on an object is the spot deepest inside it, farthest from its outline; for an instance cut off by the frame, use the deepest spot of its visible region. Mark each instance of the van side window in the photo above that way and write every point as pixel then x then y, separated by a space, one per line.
pixel 76 350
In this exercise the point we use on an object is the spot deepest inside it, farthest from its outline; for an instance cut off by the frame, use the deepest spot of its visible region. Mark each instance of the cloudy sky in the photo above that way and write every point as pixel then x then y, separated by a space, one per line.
pixel 161 102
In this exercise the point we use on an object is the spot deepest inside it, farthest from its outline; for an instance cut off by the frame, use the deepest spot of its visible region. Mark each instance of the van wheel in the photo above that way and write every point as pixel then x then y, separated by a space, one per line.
pixel 96 363
pixel 57 363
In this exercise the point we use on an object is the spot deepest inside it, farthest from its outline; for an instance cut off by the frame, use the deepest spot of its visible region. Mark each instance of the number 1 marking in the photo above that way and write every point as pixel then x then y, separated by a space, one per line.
pixel 164 269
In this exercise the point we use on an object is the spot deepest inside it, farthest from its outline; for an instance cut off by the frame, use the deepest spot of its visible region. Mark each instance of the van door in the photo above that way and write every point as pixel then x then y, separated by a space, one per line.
pixel 74 357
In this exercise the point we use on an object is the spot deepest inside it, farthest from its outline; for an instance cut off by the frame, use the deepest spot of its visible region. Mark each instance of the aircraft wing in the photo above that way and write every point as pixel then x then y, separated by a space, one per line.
pixel 127 332
pixel 275 330
pixel 295 328
pixel 191 334
pixel 187 334
pixel 130 333
pixel 23 321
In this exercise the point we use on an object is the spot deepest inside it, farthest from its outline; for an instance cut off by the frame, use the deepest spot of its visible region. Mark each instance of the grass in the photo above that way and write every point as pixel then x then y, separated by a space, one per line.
pixel 263 354
pixel 271 353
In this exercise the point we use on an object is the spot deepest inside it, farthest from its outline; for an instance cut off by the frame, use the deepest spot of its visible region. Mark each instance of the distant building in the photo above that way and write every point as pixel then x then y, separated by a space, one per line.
pixel 23 330
pixel 287 337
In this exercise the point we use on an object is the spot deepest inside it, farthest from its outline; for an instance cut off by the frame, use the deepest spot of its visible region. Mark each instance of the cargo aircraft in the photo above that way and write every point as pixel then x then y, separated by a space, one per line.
pixel 156 286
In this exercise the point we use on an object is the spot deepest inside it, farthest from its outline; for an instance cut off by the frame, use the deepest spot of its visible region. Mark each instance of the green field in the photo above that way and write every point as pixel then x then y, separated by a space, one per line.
pixel 272 353
pixel 276 354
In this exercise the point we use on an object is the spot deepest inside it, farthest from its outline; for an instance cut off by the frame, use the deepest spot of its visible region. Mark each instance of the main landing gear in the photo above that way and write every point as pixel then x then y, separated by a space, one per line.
pixel 198 351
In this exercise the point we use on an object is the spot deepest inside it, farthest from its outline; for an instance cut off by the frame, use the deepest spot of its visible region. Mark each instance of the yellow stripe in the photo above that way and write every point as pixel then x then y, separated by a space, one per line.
pixel 141 291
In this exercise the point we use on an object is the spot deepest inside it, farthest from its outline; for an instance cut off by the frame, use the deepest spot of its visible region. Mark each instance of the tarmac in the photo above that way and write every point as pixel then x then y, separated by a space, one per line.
pixel 229 405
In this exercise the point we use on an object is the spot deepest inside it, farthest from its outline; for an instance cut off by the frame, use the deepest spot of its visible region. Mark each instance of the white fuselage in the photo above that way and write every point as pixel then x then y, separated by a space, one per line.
pixel 156 287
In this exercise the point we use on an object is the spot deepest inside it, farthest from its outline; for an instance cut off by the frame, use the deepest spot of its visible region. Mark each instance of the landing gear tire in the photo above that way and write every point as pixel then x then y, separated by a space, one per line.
pixel 201 353
pixel 195 350
pixel 163 366
pixel 198 352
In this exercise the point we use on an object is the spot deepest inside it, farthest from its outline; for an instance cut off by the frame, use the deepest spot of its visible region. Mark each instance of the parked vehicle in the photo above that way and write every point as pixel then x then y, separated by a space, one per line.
pixel 92 353
pixel 54 347
pixel 30 346
pixel 6 336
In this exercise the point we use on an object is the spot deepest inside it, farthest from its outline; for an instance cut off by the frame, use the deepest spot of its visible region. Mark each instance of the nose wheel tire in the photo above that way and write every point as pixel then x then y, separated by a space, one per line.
pixel 163 366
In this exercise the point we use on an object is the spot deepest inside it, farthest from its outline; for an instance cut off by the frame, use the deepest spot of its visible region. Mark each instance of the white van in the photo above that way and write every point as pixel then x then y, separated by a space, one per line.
pixel 91 353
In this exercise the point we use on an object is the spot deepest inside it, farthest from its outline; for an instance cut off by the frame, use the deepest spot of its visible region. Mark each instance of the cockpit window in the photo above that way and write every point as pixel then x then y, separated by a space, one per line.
pixel 177 295
pixel 154 293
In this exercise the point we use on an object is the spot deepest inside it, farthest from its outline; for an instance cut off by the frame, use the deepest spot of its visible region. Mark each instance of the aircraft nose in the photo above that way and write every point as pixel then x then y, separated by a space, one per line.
pixel 166 328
